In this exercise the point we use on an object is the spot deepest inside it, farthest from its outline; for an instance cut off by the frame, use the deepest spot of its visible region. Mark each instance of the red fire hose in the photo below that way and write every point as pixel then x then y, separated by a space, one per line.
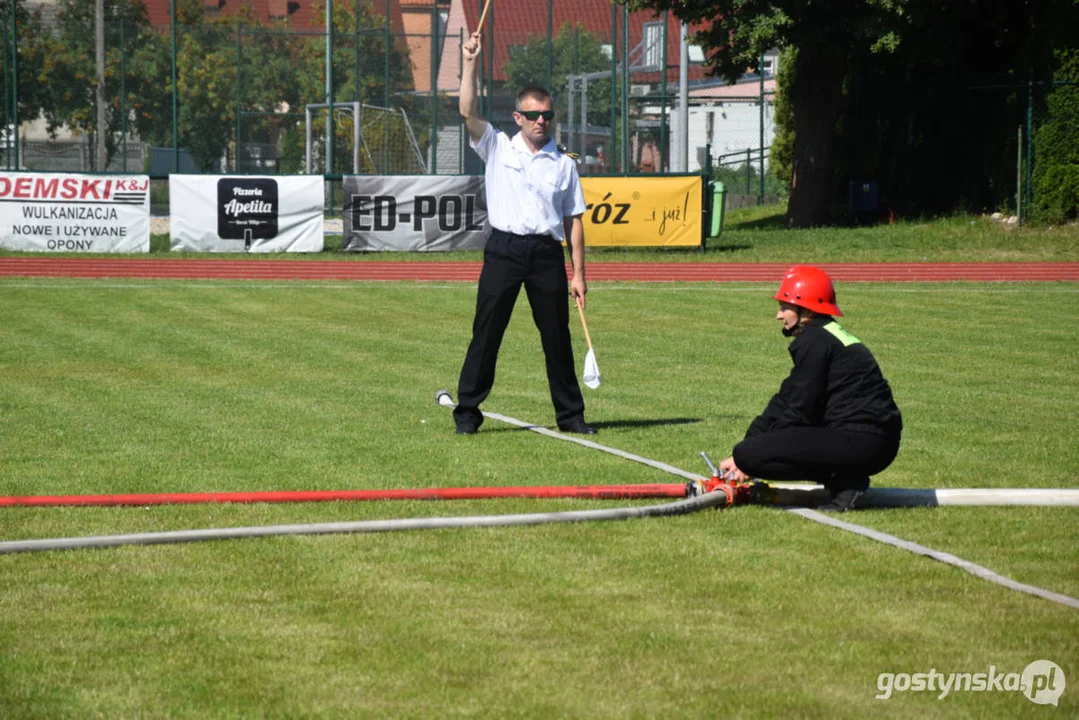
pixel 598 492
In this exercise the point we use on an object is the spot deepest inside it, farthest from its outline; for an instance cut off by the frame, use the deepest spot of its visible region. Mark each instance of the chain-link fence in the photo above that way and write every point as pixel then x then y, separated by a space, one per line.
pixel 377 96
pixel 1028 163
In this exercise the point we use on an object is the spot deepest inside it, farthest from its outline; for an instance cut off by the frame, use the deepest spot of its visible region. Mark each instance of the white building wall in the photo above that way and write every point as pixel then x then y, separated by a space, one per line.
pixel 728 127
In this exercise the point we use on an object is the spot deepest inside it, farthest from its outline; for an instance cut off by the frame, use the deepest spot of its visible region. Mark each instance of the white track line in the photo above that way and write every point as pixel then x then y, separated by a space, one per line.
pixel 972 568
pixel 976 570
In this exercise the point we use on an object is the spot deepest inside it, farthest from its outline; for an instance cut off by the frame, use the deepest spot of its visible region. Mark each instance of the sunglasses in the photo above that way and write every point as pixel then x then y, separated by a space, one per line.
pixel 534 115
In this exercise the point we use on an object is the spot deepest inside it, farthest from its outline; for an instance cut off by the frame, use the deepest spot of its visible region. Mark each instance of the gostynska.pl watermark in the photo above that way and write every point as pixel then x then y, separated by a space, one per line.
pixel 1042 682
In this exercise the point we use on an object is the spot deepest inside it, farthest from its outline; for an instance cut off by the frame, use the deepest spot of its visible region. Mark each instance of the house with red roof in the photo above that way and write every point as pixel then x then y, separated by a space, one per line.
pixel 513 23
pixel 721 116
pixel 301 14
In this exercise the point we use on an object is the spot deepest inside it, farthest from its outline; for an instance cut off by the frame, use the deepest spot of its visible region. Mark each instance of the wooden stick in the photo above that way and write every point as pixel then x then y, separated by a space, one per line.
pixel 479 27
pixel 580 310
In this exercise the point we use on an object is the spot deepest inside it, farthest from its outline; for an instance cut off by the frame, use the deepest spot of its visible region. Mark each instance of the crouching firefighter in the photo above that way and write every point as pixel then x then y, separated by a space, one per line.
pixel 834 420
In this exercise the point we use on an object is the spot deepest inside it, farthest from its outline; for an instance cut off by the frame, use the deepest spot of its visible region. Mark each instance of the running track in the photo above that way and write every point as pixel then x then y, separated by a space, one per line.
pixel 598 271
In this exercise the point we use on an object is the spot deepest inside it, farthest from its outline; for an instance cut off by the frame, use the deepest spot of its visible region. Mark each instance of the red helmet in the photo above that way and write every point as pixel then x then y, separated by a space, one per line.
pixel 810 288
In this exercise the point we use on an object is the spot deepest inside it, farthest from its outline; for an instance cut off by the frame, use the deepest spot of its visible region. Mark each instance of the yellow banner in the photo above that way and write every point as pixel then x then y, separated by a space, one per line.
pixel 642 211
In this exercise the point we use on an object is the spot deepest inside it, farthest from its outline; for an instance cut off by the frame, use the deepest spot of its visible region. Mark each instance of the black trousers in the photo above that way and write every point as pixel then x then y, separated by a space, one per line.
pixel 538 262
pixel 838 459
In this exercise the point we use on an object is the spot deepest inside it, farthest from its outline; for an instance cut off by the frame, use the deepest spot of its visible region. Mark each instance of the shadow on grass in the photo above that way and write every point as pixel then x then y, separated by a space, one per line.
pixel 777 221
pixel 610 424
pixel 644 423
pixel 715 246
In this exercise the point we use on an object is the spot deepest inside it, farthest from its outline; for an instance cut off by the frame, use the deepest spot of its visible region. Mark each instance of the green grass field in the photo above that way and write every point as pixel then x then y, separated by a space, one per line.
pixel 116 386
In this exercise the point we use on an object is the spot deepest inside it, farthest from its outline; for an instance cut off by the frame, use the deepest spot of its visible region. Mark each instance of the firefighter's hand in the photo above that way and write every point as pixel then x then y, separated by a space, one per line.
pixel 729 471
pixel 471 48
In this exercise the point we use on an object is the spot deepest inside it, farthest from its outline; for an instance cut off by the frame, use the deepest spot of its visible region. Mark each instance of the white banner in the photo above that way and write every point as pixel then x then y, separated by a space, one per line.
pixel 414 212
pixel 246 213
pixel 57 212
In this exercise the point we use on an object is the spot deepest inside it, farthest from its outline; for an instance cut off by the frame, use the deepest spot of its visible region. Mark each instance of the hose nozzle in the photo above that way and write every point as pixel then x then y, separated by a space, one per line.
pixel 711 466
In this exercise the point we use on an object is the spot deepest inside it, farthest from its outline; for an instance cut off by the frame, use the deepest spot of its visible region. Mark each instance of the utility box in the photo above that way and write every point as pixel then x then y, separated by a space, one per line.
pixel 161 161
pixel 719 202
pixel 864 201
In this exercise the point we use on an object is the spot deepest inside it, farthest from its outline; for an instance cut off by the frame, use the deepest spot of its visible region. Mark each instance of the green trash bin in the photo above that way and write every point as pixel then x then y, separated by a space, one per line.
pixel 719 201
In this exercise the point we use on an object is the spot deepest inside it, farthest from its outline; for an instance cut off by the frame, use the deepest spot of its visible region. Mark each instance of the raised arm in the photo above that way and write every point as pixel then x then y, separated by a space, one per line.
pixel 467 100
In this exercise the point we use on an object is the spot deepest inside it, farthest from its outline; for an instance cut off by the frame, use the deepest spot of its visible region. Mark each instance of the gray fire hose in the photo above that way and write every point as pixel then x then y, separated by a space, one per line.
pixel 679 507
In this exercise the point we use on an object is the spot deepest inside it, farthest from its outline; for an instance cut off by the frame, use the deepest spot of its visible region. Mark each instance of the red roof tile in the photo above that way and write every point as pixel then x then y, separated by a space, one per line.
pixel 301 14
pixel 515 22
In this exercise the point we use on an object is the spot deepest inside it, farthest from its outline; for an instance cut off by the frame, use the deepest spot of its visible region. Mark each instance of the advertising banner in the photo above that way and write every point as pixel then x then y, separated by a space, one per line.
pixel 414 212
pixel 246 213
pixel 643 211
pixel 59 212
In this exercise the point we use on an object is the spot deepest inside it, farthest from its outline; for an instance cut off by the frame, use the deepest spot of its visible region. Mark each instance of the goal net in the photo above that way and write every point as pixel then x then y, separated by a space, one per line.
pixel 367 140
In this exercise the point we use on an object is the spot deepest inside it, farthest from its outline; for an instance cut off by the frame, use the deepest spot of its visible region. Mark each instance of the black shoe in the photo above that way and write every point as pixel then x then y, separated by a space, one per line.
pixel 842 501
pixel 578 426
pixel 466 429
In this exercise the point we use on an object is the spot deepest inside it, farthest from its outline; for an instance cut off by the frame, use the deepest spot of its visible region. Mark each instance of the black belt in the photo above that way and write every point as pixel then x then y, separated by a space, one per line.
pixel 544 237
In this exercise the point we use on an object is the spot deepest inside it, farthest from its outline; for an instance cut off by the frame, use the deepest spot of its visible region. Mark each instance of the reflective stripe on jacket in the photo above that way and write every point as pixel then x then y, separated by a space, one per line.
pixel 835 382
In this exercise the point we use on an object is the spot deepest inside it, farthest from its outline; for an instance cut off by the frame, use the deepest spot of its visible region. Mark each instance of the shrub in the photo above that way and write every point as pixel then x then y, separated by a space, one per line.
pixel 1055 176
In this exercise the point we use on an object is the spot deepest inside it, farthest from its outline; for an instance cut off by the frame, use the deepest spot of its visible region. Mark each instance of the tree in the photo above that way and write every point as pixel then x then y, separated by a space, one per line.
pixel 781 154
pixel 1056 148
pixel 281 70
pixel 218 83
pixel 736 34
pixel 573 51
pixel 879 87
pixel 69 75
pixel 29 83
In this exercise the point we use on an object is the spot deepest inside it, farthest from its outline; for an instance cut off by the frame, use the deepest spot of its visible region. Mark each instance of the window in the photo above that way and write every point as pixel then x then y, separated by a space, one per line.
pixel 770 65
pixel 652 53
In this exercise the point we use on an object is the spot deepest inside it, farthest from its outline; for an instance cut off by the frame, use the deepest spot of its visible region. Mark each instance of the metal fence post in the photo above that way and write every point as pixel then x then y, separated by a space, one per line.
pixel 329 88
pixel 14 138
pixel 625 91
pixel 760 73
pixel 1019 177
pixel 123 95
pixel 434 90
pixel 550 49
pixel 100 148
pixel 239 93
pixel 749 170
pixel 664 152
pixel 614 87
pixel 1030 136
pixel 386 61
pixel 175 93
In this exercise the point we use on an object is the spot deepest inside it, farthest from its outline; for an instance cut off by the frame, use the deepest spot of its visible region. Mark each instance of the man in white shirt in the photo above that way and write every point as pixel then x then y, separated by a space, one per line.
pixel 534 202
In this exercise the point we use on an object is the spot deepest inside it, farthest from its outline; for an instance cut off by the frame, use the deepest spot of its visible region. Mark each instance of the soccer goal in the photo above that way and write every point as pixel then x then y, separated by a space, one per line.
pixel 382 139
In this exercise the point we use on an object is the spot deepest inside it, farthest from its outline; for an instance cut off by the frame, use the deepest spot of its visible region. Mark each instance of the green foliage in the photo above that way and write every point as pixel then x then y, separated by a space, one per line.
pixel 34 57
pixel 735 33
pixel 369 66
pixel 222 66
pixel 781 154
pixel 1056 150
pixel 745 179
pixel 574 51
pixel 64 88
pixel 886 93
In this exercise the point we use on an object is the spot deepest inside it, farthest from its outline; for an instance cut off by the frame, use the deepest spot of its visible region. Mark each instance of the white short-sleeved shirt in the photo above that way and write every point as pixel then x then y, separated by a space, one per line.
pixel 528 193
